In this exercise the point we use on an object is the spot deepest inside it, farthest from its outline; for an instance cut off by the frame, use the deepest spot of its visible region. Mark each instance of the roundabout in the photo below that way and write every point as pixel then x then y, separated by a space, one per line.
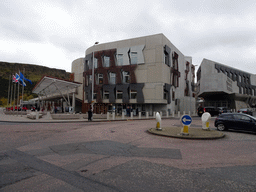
pixel 194 133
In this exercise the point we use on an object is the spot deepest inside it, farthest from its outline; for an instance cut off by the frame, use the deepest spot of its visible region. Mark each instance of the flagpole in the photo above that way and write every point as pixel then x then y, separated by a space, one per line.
pixel 14 97
pixel 18 95
pixel 23 86
pixel 9 91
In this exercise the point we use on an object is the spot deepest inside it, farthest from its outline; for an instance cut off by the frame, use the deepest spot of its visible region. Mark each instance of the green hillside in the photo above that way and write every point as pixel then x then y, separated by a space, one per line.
pixel 30 71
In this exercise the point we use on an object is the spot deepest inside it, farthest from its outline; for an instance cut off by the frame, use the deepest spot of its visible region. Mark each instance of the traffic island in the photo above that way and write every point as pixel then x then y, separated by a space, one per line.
pixel 194 133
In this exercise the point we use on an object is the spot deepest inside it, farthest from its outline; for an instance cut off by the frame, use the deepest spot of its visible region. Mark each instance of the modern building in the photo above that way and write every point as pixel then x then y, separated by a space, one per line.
pixel 145 74
pixel 223 86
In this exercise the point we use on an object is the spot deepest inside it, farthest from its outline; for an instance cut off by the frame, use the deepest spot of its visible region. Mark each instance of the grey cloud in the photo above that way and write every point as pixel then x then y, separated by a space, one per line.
pixel 70 44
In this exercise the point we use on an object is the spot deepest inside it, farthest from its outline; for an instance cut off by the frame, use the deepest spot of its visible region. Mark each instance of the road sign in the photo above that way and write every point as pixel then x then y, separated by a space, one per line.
pixel 186 120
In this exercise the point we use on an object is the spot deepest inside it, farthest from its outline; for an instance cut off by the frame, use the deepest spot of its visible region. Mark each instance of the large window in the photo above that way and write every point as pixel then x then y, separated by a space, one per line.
pixel 125 77
pixel 120 59
pixel 119 94
pixel 89 80
pixel 94 96
pixel 106 95
pixel 133 94
pixel 134 58
pixel 99 79
pixel 112 78
pixel 106 61
pixel 95 63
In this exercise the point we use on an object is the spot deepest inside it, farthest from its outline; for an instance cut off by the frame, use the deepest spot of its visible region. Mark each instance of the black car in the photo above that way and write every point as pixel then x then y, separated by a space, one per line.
pixel 212 110
pixel 223 110
pixel 246 111
pixel 238 121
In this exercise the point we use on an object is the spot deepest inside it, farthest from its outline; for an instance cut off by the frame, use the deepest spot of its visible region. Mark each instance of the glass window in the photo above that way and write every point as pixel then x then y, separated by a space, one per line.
pixel 95 63
pixel 106 61
pixel 134 58
pixel 100 79
pixel 166 58
pixel 120 60
pixel 125 77
pixel 119 94
pixel 87 67
pixel 112 78
pixel 86 96
pixel 106 95
pixel 133 94
pixel 95 96
pixel 89 79
pixel 165 95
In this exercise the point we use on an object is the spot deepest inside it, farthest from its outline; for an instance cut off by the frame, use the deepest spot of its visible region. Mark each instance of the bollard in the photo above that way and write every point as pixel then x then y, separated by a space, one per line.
pixel 154 114
pixel 173 114
pixel 178 114
pixel 205 120
pixel 139 115
pixel 147 114
pixel 184 112
pixel 108 118
pixel 189 113
pixel 113 116
pixel 167 113
pixel 37 114
pixel 158 122
pixel 161 114
pixel 131 115
pixel 122 115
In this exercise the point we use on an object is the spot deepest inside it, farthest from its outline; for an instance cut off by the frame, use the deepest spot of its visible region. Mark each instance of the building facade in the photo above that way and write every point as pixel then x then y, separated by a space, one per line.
pixel 145 74
pixel 223 86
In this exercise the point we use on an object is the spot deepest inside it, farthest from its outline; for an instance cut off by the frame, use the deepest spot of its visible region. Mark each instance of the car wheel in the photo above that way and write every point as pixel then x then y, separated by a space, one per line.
pixel 221 127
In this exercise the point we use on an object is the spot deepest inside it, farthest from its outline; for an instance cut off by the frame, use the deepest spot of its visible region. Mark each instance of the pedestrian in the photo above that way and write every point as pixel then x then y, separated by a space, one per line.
pixel 90 115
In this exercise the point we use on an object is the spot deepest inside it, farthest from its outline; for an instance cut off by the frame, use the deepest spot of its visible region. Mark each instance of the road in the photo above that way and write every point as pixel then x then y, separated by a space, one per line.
pixel 122 156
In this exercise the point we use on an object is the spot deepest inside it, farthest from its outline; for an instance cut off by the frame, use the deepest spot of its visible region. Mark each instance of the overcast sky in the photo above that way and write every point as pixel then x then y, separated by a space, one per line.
pixel 53 33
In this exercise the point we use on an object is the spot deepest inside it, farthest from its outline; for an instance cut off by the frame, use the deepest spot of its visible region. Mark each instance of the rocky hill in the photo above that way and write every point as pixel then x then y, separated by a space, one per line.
pixel 30 71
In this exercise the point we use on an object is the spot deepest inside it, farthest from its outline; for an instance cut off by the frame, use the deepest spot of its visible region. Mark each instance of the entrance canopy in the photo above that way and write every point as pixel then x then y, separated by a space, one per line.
pixel 51 88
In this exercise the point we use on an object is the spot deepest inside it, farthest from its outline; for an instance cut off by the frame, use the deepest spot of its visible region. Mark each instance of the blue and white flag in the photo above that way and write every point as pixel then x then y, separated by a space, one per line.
pixel 20 80
pixel 23 78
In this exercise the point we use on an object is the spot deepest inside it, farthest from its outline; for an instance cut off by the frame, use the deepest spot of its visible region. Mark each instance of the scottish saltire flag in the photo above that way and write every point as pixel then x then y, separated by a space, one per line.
pixel 14 79
pixel 19 79
pixel 23 78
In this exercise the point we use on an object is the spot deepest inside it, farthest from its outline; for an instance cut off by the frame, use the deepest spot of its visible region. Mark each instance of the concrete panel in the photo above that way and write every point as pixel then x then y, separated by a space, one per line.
pixel 141 75
pixel 152 41
pixel 124 43
pixel 138 41
pixel 149 94
pixel 152 73
pixel 149 55
pixel 159 92
pixel 159 54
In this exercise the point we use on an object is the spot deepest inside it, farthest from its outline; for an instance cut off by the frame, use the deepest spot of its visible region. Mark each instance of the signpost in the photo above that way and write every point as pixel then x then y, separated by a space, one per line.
pixel 186 120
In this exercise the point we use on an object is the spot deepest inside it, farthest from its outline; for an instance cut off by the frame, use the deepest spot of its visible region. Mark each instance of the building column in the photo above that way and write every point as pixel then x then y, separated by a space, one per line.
pixel 73 102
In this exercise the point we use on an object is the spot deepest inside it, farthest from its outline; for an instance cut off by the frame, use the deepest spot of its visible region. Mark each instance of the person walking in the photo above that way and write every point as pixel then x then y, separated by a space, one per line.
pixel 90 115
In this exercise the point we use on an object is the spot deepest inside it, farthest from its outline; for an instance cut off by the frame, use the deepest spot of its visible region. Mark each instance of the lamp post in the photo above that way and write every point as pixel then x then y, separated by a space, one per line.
pixel 93 73
pixel 191 85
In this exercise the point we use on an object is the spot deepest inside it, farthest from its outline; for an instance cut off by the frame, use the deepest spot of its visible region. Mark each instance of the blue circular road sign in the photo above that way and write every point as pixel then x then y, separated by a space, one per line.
pixel 186 120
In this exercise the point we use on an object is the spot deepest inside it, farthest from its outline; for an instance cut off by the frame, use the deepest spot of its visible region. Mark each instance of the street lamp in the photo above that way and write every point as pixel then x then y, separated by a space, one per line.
pixel 93 73
pixel 191 85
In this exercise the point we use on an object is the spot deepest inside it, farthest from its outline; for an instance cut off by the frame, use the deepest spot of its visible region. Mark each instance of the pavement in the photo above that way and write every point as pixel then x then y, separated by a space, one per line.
pixel 173 131
pixel 121 156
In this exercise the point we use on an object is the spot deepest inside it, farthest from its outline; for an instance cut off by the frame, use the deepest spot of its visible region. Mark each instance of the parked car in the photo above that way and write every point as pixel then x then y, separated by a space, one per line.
pixel 238 121
pixel 212 110
pixel 223 110
pixel 246 111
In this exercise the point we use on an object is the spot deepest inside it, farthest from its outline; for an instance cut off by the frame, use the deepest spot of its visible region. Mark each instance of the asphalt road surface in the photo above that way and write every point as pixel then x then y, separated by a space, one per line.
pixel 122 156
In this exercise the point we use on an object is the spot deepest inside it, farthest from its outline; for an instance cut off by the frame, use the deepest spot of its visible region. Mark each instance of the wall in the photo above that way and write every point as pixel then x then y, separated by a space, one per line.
pixel 78 69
